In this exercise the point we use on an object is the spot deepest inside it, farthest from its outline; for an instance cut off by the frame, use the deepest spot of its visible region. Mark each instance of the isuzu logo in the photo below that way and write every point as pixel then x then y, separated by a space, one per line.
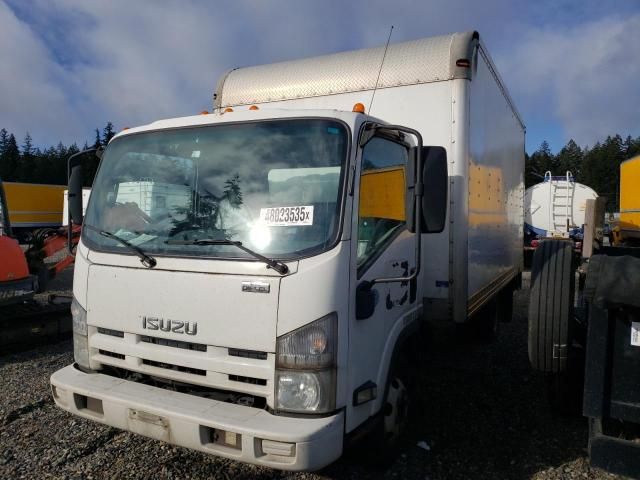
pixel 165 325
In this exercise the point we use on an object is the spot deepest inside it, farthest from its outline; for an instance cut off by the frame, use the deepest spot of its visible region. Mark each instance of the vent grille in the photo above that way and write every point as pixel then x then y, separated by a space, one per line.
pixel 107 353
pixel 199 347
pixel 176 368
pixel 108 331
pixel 235 352
pixel 252 381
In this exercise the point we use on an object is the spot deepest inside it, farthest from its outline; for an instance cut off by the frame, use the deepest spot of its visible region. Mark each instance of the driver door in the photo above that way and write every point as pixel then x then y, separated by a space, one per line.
pixel 384 248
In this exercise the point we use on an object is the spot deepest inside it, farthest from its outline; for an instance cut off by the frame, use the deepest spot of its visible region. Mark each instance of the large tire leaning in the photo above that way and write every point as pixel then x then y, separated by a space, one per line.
pixel 551 306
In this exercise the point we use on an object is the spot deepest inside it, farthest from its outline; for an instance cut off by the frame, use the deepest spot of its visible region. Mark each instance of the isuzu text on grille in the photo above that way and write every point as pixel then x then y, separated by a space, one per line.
pixel 175 326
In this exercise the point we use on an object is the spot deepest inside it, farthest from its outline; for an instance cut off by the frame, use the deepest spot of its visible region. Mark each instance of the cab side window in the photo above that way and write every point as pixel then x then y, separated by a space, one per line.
pixel 381 213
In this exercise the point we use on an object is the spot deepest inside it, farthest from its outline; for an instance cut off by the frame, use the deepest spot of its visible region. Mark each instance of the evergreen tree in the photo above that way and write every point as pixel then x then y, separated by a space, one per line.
pixel 98 142
pixel 233 192
pixel 4 142
pixel 569 159
pixel 540 162
pixel 11 159
pixel 26 170
pixel 108 133
pixel 4 139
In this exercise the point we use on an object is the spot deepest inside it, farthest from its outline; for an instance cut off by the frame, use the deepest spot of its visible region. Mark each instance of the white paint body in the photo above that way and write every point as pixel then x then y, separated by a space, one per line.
pixel 462 268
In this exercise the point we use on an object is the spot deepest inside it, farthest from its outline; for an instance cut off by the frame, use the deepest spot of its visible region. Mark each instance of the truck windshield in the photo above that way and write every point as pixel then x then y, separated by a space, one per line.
pixel 275 186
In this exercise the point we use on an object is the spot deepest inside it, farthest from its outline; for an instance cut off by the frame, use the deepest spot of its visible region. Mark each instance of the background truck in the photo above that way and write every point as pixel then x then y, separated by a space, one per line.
pixel 32 206
pixel 270 315
pixel 25 271
pixel 584 327
pixel 555 208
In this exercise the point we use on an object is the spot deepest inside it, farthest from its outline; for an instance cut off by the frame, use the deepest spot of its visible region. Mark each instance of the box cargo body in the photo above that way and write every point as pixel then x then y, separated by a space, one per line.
pixel 280 366
pixel 34 205
pixel 467 111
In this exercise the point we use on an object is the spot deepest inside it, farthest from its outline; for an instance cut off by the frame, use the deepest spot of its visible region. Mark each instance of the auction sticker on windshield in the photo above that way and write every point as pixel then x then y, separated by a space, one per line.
pixel 287 216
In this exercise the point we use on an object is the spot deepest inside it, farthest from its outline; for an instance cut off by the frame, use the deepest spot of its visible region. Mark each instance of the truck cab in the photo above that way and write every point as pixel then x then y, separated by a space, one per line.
pixel 244 281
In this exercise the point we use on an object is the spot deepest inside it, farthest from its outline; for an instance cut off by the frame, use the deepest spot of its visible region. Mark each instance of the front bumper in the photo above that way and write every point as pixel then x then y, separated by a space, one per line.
pixel 255 436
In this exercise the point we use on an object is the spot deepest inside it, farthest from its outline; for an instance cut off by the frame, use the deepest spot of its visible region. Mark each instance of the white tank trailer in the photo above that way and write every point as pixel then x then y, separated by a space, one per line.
pixel 556 207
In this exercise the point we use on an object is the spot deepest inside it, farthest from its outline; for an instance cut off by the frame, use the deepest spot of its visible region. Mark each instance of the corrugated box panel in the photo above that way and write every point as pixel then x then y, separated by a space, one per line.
pixel 419 61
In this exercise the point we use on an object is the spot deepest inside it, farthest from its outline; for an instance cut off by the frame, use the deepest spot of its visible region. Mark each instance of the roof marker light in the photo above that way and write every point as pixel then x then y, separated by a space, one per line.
pixel 254 107
pixel 358 108
pixel 228 110
pixel 204 112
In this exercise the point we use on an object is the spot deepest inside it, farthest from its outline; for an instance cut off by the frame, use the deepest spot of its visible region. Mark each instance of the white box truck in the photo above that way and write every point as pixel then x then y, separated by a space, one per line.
pixel 267 317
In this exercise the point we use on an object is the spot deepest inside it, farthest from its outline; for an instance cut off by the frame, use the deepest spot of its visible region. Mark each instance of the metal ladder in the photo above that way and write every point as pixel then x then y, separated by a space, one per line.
pixel 560 203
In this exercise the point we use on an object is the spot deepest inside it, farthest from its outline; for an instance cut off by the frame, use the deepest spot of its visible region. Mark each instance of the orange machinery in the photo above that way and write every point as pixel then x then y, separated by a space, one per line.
pixel 24 272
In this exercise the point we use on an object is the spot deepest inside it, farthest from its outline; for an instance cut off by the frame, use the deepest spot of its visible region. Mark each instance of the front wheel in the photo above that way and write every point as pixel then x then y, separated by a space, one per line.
pixel 387 438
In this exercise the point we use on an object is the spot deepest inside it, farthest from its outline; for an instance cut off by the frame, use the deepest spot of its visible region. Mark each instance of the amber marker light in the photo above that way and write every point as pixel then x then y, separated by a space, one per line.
pixel 204 112
pixel 228 110
pixel 358 108
pixel 254 107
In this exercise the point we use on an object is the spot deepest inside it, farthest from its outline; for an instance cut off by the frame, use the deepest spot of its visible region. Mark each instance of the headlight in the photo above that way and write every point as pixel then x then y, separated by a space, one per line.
pixel 305 368
pixel 80 339
pixel 311 392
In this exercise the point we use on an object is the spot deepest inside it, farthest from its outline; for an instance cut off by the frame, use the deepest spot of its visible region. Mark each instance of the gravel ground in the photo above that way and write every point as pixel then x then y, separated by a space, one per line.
pixel 482 412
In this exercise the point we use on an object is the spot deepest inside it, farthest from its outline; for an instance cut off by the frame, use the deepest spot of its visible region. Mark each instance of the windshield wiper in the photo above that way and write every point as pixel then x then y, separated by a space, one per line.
pixel 147 260
pixel 279 267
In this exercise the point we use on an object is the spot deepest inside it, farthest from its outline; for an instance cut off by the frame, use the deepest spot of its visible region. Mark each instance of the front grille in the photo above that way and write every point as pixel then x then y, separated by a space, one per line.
pixel 244 399
pixel 176 368
pixel 251 380
pixel 107 353
pixel 199 347
pixel 108 331
pixel 235 352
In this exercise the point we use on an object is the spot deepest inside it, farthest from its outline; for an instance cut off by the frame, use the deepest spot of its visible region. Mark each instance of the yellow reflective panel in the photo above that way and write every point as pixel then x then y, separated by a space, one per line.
pixel 486 196
pixel 33 205
pixel 630 194
pixel 382 193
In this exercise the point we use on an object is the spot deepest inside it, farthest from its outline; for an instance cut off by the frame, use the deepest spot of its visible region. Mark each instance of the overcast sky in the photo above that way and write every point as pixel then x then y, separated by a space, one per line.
pixel 69 66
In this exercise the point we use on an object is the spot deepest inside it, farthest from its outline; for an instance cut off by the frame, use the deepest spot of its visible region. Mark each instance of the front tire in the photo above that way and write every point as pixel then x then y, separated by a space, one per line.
pixel 386 440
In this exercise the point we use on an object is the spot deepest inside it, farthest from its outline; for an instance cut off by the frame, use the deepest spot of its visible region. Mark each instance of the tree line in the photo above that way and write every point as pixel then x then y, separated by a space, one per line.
pixel 29 164
pixel 597 167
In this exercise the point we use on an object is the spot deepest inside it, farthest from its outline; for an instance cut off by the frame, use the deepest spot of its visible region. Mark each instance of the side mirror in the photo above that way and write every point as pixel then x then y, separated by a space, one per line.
pixel 435 178
pixel 75 191
pixel 75 178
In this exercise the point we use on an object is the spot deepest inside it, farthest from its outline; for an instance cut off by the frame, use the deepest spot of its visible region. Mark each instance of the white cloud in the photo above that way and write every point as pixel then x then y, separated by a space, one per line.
pixel 585 76
pixel 74 65
pixel 33 87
